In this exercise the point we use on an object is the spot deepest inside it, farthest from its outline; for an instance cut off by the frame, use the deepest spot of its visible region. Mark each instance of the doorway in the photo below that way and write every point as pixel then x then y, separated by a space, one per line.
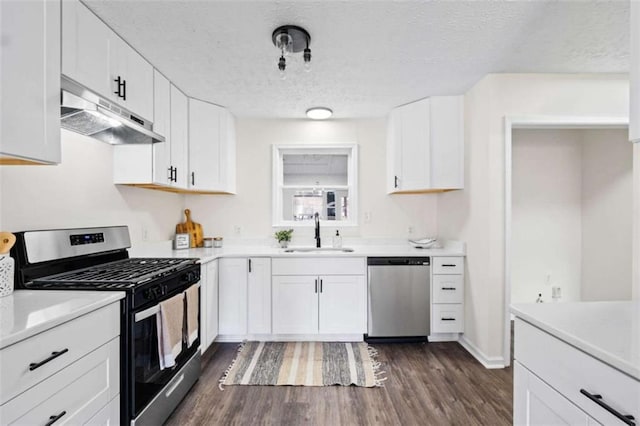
pixel 557 194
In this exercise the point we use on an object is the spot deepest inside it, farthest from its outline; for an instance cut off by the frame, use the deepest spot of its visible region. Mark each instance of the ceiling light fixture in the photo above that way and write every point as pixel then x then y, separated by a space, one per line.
pixel 291 39
pixel 319 113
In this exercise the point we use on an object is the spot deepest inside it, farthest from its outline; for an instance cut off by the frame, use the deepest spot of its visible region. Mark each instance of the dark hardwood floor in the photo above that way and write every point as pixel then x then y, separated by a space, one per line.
pixel 427 384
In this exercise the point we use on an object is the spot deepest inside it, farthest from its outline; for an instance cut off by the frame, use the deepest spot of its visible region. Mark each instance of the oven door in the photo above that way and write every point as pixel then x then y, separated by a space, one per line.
pixel 149 380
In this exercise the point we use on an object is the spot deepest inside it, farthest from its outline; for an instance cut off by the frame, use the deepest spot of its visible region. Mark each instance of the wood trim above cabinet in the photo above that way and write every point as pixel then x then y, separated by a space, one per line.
pixel 175 190
pixel 425 191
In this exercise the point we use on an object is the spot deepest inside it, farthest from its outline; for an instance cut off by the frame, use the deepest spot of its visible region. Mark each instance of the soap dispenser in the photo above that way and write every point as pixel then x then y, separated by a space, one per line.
pixel 337 240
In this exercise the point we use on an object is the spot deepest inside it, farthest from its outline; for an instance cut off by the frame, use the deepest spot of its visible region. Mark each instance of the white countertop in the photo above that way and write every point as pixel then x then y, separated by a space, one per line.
pixel 25 313
pixel 164 249
pixel 608 331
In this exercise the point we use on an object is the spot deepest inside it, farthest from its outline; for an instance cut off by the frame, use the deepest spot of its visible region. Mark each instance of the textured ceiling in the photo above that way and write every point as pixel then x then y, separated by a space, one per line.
pixel 368 56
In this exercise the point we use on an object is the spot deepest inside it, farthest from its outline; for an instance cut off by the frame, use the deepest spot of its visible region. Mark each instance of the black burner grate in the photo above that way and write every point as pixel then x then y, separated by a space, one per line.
pixel 120 273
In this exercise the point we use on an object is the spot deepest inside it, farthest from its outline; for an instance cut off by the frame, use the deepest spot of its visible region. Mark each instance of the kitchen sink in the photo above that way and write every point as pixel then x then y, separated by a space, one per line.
pixel 318 250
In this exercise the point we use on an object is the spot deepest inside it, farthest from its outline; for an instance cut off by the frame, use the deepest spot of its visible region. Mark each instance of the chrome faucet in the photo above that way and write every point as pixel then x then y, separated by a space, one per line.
pixel 316 217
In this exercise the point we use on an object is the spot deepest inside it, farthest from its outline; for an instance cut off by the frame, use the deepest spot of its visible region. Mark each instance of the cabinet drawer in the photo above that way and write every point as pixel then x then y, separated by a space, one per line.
pixel 319 266
pixel 447 318
pixel 448 288
pixel 448 265
pixel 109 415
pixel 568 370
pixel 79 391
pixel 78 337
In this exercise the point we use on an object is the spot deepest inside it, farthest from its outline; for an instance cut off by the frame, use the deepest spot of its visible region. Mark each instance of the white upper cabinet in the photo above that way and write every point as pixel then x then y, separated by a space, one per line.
pixel 211 148
pixel 199 154
pixel 634 113
pixel 30 81
pixel 96 57
pixel 425 146
pixel 161 163
pixel 179 138
pixel 85 48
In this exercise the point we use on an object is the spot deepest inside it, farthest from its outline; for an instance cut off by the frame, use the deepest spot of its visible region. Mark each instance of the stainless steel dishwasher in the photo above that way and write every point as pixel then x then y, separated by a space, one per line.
pixel 399 298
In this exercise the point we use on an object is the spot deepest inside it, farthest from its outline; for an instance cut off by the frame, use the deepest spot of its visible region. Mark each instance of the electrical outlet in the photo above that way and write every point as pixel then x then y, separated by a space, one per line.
pixel 367 217
pixel 237 229
pixel 145 233
pixel 556 292
pixel 410 230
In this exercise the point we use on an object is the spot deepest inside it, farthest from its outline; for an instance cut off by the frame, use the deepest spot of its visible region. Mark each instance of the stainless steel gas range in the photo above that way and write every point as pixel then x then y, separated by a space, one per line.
pixel 97 259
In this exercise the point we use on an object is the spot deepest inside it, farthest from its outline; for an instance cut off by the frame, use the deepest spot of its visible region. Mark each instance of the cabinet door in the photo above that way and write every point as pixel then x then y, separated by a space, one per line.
pixel 204 145
pixel 204 296
pixel 537 403
pixel 233 296
pixel 85 48
pixel 415 146
pixel 447 142
pixel 30 80
pixel 394 150
pixel 342 307
pixel 295 304
pixel 634 74
pixel 138 75
pixel 162 126
pixel 211 322
pixel 179 136
pixel 227 152
pixel 259 295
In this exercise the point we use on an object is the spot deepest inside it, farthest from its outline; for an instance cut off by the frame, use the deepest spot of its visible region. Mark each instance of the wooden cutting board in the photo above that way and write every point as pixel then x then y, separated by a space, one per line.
pixel 193 229
pixel 7 240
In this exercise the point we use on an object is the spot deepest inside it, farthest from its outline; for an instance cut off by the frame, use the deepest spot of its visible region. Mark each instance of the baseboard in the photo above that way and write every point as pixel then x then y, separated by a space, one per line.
pixel 444 337
pixel 487 362
pixel 292 338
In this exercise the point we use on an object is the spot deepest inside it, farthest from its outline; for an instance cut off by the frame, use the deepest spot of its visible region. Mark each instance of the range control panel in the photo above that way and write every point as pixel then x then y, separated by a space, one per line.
pixel 81 239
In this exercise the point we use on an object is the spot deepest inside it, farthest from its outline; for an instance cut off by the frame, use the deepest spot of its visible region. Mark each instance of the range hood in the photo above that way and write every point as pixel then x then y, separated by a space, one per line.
pixel 89 114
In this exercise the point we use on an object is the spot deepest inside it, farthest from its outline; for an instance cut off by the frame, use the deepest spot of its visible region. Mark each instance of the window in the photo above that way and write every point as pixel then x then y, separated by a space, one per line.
pixel 310 179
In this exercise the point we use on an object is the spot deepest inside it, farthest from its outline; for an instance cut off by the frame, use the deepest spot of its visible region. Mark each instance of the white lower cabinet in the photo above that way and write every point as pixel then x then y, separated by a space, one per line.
pixel 259 295
pixel 447 297
pixel 233 296
pixel 70 373
pixel 208 304
pixel 537 403
pixel 245 296
pixel 330 303
pixel 322 304
pixel 342 304
pixel 555 383
pixel 295 304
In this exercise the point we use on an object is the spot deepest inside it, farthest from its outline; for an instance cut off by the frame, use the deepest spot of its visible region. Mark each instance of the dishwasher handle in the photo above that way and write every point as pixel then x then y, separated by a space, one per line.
pixel 399 261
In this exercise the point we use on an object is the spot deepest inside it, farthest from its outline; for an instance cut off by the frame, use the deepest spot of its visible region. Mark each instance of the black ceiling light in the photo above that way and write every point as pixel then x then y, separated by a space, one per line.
pixel 291 39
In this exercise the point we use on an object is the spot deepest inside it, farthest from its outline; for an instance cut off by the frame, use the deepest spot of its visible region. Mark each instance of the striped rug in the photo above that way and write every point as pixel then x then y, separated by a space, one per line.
pixel 304 364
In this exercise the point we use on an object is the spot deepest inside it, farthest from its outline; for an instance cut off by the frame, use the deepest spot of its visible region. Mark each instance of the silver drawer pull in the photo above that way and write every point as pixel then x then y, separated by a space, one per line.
pixel 448 319
pixel 449 265
pixel 626 418
pixel 174 386
pixel 448 288
pixel 147 313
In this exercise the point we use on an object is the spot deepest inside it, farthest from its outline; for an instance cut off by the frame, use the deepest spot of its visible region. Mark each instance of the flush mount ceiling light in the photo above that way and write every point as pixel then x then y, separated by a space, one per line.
pixel 291 39
pixel 319 113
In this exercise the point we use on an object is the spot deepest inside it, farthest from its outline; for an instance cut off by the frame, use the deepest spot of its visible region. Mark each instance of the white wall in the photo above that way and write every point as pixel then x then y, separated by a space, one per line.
pixel 546 214
pixel 250 209
pixel 571 223
pixel 607 211
pixel 476 215
pixel 79 192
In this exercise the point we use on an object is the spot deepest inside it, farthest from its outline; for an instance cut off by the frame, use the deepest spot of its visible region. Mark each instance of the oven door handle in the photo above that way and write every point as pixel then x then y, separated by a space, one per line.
pixel 147 313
